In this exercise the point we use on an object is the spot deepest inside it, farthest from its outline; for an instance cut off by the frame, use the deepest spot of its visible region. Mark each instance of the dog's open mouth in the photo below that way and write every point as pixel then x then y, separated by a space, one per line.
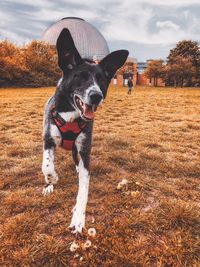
pixel 86 111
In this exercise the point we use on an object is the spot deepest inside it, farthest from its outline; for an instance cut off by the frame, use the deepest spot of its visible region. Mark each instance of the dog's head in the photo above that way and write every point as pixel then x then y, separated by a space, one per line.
pixel 84 82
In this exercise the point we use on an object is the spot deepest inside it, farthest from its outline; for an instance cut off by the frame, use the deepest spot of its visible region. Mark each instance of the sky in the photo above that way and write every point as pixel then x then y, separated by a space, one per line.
pixel 147 28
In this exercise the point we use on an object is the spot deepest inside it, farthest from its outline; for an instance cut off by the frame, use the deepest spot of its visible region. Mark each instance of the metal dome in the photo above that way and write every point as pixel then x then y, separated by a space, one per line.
pixel 88 40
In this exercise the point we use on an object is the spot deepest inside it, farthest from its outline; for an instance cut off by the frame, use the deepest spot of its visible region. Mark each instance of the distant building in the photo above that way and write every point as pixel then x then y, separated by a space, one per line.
pixel 141 66
pixel 88 40
pixel 92 45
pixel 141 78
pixel 136 70
pixel 128 70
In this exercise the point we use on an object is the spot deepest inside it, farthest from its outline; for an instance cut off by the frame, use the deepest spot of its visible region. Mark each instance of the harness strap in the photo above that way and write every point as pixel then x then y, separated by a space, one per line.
pixel 56 116
pixel 68 130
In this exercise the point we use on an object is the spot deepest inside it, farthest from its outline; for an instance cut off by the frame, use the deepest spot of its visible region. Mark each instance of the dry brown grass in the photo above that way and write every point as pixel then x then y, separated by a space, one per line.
pixel 151 138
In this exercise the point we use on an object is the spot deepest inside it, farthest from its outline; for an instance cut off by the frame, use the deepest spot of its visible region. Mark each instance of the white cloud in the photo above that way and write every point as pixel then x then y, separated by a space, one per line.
pixel 55 15
pixel 167 24
pixel 141 22
pixel 37 3
pixel 133 25
pixel 176 3
pixel 15 38
pixel 131 22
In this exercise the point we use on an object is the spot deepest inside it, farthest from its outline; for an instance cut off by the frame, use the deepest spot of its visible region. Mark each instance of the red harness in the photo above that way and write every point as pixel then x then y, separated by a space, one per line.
pixel 68 130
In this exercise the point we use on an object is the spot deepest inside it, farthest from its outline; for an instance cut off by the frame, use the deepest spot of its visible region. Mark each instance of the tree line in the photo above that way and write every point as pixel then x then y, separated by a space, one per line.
pixel 35 65
pixel 181 69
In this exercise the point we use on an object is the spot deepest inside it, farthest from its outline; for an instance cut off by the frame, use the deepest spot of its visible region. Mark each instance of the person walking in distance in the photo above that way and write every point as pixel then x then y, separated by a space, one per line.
pixel 130 85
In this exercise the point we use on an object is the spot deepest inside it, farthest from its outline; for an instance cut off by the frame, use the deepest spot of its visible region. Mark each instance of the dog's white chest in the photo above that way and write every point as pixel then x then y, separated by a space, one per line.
pixel 69 116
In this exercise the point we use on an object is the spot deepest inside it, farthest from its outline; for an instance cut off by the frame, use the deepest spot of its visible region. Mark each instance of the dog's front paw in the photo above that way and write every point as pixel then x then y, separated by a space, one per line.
pixel 51 176
pixel 78 221
pixel 48 190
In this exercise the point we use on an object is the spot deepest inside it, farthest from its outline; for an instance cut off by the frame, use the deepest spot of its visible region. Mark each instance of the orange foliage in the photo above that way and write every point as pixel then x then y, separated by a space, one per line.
pixel 12 65
pixel 34 65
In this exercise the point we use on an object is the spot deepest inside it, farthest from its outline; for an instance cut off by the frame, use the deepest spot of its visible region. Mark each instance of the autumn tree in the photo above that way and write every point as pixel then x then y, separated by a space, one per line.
pixel 185 52
pixel 12 65
pixel 155 70
pixel 126 68
pixel 41 61
pixel 179 71
pixel 33 65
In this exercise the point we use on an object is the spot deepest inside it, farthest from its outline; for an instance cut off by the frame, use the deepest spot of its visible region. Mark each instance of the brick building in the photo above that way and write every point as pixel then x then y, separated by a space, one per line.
pixel 129 69
pixel 136 71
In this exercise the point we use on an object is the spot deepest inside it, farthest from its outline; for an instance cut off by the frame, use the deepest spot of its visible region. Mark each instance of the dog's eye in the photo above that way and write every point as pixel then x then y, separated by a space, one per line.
pixel 100 80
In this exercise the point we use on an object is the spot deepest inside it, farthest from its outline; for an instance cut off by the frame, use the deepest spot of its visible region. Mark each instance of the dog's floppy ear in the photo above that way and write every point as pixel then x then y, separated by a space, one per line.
pixel 112 62
pixel 68 55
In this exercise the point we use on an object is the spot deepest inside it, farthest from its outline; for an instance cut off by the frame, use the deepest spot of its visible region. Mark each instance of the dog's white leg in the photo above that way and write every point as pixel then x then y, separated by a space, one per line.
pixel 48 170
pixel 78 218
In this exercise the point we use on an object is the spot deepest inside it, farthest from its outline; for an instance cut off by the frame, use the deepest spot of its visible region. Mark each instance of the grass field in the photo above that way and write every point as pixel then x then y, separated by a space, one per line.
pixel 151 138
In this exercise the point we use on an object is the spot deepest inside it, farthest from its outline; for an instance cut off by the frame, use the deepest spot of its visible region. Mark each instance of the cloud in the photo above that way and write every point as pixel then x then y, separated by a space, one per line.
pixel 143 23
pixel 167 24
pixel 16 38
pixel 176 3
pixel 152 23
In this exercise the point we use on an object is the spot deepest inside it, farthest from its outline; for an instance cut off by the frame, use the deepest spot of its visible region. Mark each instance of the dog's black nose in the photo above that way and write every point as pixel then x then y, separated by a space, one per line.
pixel 95 97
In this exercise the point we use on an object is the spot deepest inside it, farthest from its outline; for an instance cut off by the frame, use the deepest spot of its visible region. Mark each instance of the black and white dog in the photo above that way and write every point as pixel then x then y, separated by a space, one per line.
pixel 69 114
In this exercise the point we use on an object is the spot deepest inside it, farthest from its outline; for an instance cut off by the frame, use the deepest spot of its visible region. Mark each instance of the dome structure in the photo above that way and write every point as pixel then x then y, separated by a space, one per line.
pixel 88 40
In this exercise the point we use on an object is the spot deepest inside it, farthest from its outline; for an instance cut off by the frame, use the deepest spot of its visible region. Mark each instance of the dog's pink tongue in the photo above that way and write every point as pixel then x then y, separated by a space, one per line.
pixel 88 112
